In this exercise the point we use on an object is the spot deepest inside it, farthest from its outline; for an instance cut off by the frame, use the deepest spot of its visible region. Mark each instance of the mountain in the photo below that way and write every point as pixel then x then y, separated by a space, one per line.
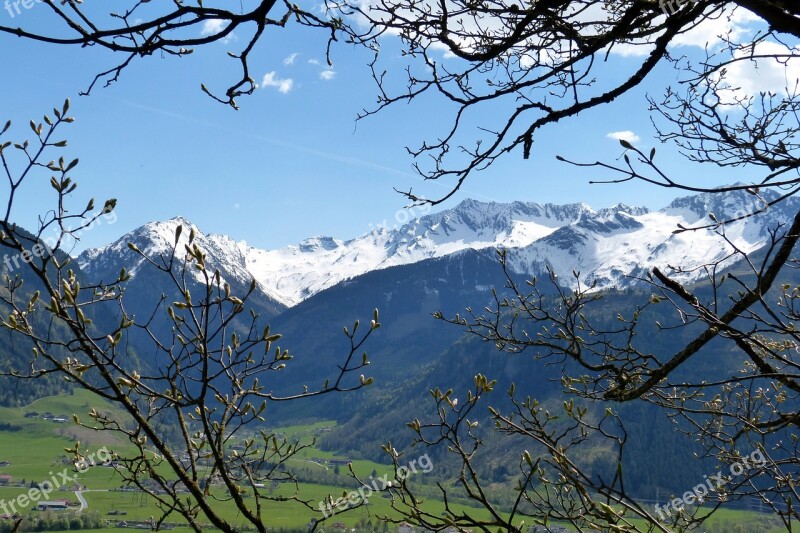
pixel 611 246
pixel 439 262
pixel 16 349
pixel 445 262
pixel 406 296
pixel 156 240
pixel 289 275
pixel 615 247
pixel 296 272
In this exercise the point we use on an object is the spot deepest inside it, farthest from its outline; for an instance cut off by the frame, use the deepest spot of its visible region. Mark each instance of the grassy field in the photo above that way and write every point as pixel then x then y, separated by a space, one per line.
pixel 34 447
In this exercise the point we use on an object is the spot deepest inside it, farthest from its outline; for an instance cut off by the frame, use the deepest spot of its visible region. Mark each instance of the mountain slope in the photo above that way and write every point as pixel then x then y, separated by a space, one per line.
pixel 156 240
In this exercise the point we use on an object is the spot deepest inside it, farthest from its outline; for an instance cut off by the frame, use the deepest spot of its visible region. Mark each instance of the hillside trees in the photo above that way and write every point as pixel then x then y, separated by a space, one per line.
pixel 209 377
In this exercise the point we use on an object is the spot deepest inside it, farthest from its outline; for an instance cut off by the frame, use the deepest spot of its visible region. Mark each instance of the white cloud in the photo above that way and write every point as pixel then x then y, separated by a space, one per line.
pixel 313 61
pixel 283 85
pixel 632 50
pixel 215 26
pixel 327 74
pixel 624 135
pixel 212 27
pixel 289 60
pixel 526 61
pixel 749 77
pixel 729 25
pixel 447 53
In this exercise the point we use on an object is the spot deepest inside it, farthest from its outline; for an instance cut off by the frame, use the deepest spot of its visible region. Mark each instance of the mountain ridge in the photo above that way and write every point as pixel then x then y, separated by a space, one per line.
pixel 611 246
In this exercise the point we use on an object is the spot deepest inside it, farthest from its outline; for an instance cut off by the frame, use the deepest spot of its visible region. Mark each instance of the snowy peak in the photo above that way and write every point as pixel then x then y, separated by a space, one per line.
pixel 152 238
pixel 157 239
pixel 614 246
pixel 609 245
pixel 618 218
pixel 492 216
pixel 296 272
pixel 728 205
pixel 319 243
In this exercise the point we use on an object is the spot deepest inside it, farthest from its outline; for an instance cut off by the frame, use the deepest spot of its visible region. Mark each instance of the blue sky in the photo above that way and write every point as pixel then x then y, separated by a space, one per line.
pixel 292 162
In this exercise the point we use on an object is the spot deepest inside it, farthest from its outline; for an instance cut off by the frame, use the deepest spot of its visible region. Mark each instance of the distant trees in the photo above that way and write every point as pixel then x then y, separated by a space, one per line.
pixel 54 521
pixel 211 374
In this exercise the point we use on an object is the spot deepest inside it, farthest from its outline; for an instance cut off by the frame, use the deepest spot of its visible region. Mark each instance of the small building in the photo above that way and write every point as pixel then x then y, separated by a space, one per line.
pixel 405 527
pixel 5 479
pixel 54 505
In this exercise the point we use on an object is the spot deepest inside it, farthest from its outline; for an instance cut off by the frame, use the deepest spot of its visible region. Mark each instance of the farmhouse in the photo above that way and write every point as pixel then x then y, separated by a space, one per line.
pixel 5 479
pixel 54 505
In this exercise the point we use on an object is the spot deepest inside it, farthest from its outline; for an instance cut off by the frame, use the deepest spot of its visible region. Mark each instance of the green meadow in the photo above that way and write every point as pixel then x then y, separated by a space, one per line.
pixel 35 449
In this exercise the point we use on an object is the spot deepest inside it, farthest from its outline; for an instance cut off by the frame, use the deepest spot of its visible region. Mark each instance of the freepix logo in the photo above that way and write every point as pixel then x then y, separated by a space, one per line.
pixel 56 481
pixel 670 7
pixel 47 245
pixel 356 497
pixel 15 7
pixel 699 493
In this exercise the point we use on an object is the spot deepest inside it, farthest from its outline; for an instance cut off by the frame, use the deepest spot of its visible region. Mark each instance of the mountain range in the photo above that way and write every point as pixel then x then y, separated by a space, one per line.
pixel 612 247
pixel 445 262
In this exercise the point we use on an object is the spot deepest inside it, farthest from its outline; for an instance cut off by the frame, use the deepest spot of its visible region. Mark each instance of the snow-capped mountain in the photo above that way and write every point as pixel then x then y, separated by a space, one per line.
pixel 156 240
pixel 296 272
pixel 609 245
pixel 616 246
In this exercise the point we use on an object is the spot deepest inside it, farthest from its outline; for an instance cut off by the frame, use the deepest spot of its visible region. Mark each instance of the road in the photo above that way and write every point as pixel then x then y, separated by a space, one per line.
pixel 84 503
pixel 79 495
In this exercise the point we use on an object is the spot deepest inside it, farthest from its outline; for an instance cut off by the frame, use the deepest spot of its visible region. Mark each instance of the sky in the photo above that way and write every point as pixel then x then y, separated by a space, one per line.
pixel 293 162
